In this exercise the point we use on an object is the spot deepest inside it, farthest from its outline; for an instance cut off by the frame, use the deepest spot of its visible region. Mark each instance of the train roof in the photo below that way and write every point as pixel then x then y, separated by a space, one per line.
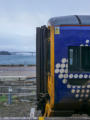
pixel 70 20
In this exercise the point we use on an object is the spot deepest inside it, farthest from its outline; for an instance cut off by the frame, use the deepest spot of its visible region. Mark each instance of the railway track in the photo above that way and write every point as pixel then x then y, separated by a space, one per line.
pixel 23 97
pixel 20 88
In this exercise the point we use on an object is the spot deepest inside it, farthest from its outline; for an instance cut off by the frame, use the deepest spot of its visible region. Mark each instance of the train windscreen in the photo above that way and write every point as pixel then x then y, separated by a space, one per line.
pixel 79 58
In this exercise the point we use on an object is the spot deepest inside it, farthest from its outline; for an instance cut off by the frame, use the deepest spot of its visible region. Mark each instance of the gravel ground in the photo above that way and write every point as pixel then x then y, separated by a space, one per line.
pixel 29 71
pixel 19 109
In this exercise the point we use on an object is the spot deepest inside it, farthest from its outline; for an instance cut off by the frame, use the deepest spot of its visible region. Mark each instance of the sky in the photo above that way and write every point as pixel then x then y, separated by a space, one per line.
pixel 19 19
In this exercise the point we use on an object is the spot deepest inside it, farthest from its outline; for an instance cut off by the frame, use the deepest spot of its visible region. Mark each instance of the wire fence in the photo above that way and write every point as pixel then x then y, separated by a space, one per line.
pixel 21 92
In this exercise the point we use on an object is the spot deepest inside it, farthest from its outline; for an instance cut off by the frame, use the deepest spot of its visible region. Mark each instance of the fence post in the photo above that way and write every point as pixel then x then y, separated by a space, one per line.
pixel 9 95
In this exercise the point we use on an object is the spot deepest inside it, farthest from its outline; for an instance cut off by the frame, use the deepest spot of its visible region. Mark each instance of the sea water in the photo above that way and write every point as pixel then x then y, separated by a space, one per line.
pixel 17 59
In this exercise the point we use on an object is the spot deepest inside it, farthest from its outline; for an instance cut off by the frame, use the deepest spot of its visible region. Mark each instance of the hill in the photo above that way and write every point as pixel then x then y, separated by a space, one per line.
pixel 5 53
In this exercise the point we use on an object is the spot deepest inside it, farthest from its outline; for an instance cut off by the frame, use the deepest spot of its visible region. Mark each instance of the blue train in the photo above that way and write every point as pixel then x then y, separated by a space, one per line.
pixel 63 66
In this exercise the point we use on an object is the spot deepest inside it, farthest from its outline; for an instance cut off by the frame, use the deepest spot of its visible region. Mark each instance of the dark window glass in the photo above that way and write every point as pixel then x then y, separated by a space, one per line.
pixel 74 58
pixel 71 56
pixel 79 58
pixel 77 81
pixel 85 61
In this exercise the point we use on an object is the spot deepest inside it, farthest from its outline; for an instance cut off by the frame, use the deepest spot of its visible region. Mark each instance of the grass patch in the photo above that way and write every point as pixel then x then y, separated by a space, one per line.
pixel 14 97
pixel 3 98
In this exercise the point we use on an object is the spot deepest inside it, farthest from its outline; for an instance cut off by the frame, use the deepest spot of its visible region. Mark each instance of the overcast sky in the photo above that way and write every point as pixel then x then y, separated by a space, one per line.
pixel 19 19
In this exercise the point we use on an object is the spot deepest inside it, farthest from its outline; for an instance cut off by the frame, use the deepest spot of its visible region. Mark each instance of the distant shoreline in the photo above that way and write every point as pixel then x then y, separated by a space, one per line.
pixel 20 65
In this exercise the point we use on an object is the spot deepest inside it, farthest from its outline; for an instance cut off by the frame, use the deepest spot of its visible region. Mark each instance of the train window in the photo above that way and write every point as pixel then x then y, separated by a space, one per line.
pixel 85 58
pixel 71 56
pixel 79 58
pixel 74 58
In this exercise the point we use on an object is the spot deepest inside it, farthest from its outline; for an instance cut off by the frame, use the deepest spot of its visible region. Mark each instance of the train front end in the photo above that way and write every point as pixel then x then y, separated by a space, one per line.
pixel 72 67
pixel 65 83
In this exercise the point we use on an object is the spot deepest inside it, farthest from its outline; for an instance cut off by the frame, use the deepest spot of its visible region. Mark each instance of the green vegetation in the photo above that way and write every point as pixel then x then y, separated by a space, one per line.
pixel 3 98
pixel 14 97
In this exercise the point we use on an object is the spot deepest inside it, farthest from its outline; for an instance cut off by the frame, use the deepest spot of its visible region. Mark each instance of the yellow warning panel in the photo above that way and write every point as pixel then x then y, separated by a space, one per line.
pixel 41 118
pixel 57 30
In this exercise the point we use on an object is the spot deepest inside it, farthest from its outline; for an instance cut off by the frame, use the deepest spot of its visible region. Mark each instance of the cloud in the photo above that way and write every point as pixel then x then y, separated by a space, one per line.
pixel 19 19
pixel 17 43
pixel 23 24
pixel 20 31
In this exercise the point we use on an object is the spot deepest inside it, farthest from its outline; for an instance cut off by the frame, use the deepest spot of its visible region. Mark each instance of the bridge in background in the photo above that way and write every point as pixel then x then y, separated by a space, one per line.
pixel 28 52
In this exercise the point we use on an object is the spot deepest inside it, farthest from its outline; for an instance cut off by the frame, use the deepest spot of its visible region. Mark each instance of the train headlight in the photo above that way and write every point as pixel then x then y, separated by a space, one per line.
pixel 76 76
pixel 83 86
pixel 61 70
pixel 81 76
pixel 60 76
pixel 71 76
pixel 62 65
pixel 87 91
pixel 64 60
pixel 58 65
pixel 86 95
pixel 77 91
pixel 56 70
pixel 66 70
pixel 68 86
pixel 83 91
pixel 82 95
pixel 73 91
pixel 85 76
pixel 88 86
pixel 65 75
pixel 77 95
pixel 64 81
pixel 87 41
pixel 66 65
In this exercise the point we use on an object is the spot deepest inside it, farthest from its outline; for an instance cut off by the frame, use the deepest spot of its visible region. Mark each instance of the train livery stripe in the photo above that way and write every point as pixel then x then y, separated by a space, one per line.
pixel 52 64
pixel 51 86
